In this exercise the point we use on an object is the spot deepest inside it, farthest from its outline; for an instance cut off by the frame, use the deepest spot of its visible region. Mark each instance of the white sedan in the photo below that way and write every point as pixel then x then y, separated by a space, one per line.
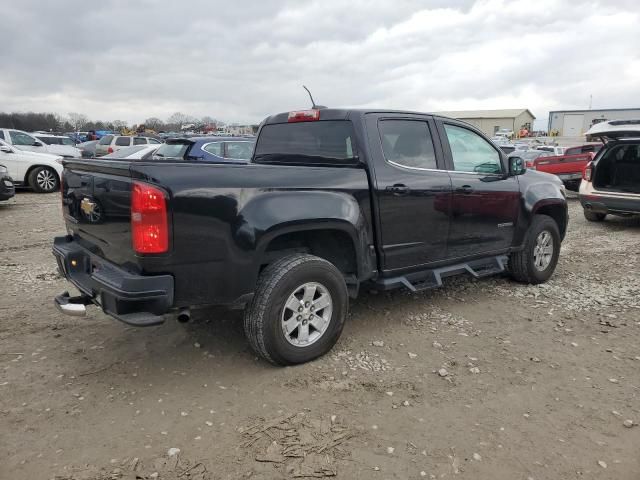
pixel 40 171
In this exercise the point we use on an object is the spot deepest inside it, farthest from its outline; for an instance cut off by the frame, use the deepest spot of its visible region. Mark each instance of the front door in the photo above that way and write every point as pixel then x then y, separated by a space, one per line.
pixel 485 202
pixel 16 164
pixel 412 189
pixel 24 141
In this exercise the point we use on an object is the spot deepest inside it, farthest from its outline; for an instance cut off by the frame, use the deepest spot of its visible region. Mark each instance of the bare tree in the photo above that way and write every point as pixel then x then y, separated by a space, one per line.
pixel 78 120
pixel 154 123
pixel 119 125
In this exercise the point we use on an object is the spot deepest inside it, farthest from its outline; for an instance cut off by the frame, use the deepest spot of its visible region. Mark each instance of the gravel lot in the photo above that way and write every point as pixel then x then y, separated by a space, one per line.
pixel 479 380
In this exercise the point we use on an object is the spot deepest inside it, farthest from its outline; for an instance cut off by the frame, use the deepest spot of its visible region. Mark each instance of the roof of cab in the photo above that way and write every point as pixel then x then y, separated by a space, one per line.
pixel 342 114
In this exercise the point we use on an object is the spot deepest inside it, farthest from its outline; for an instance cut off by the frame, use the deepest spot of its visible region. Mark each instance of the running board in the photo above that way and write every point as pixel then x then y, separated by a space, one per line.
pixel 427 279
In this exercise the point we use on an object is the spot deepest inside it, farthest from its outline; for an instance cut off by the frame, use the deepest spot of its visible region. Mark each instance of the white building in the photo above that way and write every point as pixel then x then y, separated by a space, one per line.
pixel 490 121
pixel 572 123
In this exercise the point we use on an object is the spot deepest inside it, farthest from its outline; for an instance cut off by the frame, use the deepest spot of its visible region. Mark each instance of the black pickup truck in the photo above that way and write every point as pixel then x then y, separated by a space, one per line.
pixel 333 200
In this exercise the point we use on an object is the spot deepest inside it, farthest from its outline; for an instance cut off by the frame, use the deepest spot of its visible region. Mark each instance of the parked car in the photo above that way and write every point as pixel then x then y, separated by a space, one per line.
pixel 500 140
pixel 556 150
pixel 504 132
pixel 212 149
pixel 567 167
pixel 60 144
pixel 40 171
pixel 26 141
pixel 88 149
pixel 113 143
pixel 611 182
pixel 7 188
pixel 137 152
pixel 529 156
pixel 333 201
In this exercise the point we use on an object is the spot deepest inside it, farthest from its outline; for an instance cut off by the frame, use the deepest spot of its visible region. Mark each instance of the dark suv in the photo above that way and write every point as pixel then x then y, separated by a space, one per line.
pixel 213 149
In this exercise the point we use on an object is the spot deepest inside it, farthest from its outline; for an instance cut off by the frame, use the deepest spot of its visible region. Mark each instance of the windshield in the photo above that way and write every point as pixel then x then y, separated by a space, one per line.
pixel 321 142
pixel 172 150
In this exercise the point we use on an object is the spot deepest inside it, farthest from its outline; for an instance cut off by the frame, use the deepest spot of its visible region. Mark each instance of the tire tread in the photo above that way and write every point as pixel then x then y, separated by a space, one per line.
pixel 254 316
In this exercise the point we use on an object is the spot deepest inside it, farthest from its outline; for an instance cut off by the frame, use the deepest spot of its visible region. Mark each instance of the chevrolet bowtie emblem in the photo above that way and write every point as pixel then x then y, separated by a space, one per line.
pixel 87 206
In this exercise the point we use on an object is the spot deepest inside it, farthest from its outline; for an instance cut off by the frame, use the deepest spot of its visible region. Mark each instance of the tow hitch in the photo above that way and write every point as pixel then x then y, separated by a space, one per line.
pixel 74 306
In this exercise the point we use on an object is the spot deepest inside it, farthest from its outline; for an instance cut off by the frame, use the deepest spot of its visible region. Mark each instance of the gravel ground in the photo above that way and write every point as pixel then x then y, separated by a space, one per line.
pixel 478 380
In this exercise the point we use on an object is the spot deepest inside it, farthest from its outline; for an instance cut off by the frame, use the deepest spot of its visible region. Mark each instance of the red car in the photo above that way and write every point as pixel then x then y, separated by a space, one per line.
pixel 568 167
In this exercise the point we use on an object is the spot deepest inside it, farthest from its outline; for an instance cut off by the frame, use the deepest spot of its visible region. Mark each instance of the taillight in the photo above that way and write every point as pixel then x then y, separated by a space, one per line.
pixel 109 150
pixel 530 164
pixel 587 172
pixel 304 116
pixel 149 226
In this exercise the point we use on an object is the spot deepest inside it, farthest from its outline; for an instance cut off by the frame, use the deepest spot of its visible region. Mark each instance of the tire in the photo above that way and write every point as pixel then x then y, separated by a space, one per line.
pixel 281 286
pixel 44 180
pixel 523 265
pixel 594 216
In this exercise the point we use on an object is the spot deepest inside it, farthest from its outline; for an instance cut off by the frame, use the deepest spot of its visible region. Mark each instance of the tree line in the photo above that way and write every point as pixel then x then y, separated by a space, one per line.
pixel 74 122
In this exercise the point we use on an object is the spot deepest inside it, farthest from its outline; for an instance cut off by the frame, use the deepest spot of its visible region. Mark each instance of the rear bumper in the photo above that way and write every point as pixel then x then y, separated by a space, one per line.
pixel 134 299
pixel 611 204
pixel 569 177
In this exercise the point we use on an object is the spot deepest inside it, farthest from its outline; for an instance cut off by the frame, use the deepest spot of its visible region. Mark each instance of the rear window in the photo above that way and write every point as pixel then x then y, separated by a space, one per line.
pixel 123 141
pixel 321 143
pixel 172 150
pixel 106 140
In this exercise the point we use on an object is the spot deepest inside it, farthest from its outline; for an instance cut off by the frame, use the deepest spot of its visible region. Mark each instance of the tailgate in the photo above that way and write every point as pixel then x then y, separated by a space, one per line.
pixel 96 203
pixel 566 164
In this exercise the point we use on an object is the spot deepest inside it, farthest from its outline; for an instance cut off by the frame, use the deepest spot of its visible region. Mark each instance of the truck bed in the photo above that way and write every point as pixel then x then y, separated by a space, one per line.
pixel 215 222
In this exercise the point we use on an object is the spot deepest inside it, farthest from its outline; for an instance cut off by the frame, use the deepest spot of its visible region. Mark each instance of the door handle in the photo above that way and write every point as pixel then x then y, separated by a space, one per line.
pixel 464 189
pixel 398 189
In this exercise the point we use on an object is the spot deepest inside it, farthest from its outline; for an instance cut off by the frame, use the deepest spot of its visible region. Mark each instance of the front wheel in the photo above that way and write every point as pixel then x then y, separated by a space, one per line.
pixel 44 180
pixel 537 261
pixel 298 310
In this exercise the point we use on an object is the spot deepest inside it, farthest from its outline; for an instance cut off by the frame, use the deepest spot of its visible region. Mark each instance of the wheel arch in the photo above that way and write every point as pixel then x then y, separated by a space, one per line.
pixel 557 211
pixel 39 165
pixel 336 241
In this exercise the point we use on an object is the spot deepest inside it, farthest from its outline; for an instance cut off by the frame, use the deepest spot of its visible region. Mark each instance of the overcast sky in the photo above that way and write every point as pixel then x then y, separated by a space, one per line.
pixel 240 61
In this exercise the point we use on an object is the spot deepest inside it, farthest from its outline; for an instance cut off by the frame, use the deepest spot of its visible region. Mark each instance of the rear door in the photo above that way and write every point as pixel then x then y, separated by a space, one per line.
pixel 485 202
pixel 413 189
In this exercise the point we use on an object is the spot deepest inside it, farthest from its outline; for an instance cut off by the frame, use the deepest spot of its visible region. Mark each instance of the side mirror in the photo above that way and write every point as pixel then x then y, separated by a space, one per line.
pixel 516 166
pixel 6 149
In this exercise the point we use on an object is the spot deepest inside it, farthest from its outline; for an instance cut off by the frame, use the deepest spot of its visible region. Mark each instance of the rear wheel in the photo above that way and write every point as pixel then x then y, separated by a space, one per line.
pixel 594 216
pixel 537 261
pixel 44 180
pixel 298 310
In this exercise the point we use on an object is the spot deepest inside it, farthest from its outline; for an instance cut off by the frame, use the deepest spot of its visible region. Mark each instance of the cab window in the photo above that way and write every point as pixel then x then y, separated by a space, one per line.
pixel 408 143
pixel 470 152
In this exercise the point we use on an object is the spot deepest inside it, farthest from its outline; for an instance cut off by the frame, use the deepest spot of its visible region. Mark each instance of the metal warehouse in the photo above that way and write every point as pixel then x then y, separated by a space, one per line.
pixel 569 123
pixel 490 121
